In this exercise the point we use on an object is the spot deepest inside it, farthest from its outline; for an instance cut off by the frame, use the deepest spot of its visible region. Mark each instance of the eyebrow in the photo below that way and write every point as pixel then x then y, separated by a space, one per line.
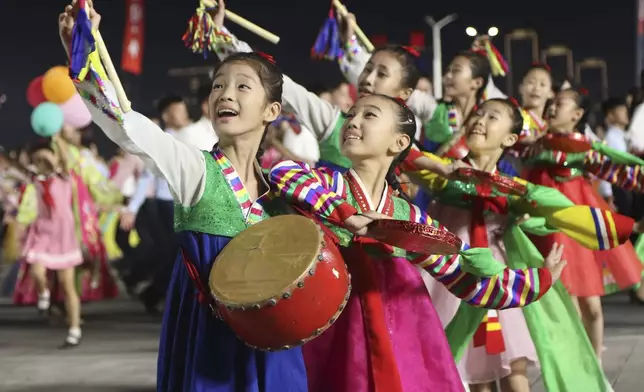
pixel 239 74
pixel 373 107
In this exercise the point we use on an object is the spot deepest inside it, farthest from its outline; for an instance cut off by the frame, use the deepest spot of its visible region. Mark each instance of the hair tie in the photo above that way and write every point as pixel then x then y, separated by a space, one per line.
pixel 545 66
pixel 401 102
pixel 582 91
pixel 266 57
pixel 482 52
pixel 411 51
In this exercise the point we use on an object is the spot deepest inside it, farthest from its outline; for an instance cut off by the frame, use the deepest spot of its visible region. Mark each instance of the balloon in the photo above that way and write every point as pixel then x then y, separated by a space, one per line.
pixel 75 112
pixel 47 119
pixel 35 95
pixel 57 86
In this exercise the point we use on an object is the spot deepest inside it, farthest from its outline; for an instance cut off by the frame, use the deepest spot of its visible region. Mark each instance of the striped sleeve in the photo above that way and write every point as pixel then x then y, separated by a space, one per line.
pixel 627 177
pixel 508 289
pixel 320 191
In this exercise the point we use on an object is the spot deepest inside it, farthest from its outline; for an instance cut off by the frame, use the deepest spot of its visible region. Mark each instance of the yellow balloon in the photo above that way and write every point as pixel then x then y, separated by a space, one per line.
pixel 57 86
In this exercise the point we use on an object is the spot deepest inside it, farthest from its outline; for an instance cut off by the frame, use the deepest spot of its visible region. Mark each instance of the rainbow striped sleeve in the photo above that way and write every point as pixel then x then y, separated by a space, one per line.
pixel 594 228
pixel 508 289
pixel 628 177
pixel 318 190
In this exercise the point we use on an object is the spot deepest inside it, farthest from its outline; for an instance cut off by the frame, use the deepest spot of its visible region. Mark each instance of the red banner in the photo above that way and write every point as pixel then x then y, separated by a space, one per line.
pixel 132 59
pixel 417 40
pixel 378 40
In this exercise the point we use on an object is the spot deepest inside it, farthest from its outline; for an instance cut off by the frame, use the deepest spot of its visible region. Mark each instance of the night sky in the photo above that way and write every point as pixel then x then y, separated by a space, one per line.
pixel 30 43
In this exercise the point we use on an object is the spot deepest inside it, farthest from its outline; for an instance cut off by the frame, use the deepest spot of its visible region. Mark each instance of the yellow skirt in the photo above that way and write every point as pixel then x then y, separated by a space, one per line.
pixel 11 244
pixel 109 222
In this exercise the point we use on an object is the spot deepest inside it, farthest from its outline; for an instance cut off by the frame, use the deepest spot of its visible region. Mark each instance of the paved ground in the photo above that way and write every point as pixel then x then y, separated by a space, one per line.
pixel 118 353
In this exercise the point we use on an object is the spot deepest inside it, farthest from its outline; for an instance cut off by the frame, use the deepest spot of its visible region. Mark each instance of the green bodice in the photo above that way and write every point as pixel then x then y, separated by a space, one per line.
pixel 330 148
pixel 218 211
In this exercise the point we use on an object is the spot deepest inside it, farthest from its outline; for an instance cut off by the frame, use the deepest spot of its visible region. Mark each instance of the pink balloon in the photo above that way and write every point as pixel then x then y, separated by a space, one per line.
pixel 35 95
pixel 75 112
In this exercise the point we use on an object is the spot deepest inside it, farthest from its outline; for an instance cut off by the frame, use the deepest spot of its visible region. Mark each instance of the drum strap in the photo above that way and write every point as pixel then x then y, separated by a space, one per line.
pixel 317 220
pixel 202 294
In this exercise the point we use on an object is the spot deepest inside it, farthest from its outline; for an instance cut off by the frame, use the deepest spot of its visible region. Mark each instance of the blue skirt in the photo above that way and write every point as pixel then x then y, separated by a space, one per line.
pixel 199 353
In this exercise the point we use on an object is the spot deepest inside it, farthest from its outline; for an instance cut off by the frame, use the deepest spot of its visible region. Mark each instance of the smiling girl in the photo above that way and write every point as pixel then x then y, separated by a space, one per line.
pixel 389 336
pixel 491 212
pixel 217 195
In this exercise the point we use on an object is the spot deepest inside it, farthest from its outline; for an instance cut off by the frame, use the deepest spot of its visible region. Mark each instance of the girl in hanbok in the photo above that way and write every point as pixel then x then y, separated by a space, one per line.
pixel 90 189
pixel 391 71
pixel 586 276
pixel 218 194
pixel 51 242
pixel 389 336
pixel 489 215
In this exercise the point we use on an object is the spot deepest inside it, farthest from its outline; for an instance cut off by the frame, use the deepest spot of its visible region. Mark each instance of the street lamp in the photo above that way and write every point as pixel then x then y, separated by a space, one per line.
pixel 558 51
pixel 519 35
pixel 491 32
pixel 594 63
pixel 438 54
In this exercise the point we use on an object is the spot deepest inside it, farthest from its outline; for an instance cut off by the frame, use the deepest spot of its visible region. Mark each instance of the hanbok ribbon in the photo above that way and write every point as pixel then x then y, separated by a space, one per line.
pixel 489 333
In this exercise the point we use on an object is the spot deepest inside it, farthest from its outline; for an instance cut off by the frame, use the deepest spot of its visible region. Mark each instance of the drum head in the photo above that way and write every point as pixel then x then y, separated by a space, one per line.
pixel 571 143
pixel 415 237
pixel 264 260
pixel 502 184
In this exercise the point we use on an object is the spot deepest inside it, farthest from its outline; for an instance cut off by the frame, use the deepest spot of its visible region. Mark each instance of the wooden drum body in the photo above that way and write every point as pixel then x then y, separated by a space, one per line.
pixel 280 283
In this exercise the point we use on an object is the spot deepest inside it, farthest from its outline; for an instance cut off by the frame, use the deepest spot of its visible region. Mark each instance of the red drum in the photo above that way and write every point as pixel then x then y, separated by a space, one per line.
pixel 415 237
pixel 280 283
pixel 570 143
pixel 494 181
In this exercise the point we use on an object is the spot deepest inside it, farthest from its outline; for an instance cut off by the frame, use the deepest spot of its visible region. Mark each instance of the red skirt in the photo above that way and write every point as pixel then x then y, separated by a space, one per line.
pixel 588 272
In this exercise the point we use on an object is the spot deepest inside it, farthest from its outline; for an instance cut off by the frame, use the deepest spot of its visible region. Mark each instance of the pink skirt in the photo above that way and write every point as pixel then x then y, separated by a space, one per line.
pixel 477 366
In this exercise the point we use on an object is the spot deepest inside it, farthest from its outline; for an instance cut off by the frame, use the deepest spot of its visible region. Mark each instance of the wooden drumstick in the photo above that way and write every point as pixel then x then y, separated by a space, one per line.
pixel 248 25
pixel 124 103
pixel 342 10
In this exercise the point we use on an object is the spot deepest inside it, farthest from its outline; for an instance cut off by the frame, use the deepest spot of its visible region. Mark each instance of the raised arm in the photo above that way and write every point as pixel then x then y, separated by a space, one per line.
pixel 319 191
pixel 353 60
pixel 506 289
pixel 183 166
pixel 618 168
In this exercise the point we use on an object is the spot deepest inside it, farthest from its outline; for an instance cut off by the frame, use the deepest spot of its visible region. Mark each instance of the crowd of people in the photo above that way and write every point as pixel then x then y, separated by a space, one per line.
pixel 545 207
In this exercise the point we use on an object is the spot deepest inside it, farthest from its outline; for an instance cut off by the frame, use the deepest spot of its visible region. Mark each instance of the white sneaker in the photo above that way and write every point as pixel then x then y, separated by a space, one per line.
pixel 44 301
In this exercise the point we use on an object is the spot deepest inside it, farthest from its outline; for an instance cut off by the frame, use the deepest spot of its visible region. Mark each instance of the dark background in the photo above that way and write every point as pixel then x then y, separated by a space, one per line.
pixel 29 42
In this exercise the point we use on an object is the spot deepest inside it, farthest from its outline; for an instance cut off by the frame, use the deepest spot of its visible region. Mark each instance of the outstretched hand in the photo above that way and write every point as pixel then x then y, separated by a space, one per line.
pixel 554 262
pixel 67 18
pixel 220 15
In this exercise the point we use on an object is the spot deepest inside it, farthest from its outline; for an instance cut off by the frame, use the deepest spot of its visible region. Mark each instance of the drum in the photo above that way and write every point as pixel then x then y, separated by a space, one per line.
pixel 570 143
pixel 280 283
pixel 492 181
pixel 415 237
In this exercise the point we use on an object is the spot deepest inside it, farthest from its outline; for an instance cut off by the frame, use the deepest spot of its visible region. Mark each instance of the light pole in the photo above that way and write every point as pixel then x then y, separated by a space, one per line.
pixel 558 51
pixel 438 54
pixel 594 63
pixel 519 35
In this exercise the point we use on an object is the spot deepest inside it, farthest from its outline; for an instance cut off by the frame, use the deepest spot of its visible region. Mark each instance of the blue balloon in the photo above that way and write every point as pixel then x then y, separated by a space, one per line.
pixel 47 119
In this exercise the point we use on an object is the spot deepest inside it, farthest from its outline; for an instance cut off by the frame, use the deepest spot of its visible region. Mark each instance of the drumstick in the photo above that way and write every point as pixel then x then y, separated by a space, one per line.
pixel 342 10
pixel 248 25
pixel 124 103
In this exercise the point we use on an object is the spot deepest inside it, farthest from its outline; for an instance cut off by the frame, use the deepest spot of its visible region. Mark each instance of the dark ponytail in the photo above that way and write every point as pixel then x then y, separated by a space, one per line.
pixel 406 121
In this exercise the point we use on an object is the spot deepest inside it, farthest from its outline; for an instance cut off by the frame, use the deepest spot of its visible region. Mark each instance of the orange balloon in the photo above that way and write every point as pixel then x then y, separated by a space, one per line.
pixel 57 86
